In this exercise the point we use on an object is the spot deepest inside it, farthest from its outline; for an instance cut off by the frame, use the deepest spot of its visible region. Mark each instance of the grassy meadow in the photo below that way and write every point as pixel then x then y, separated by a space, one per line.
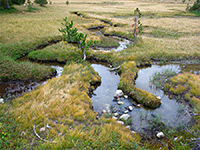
pixel 170 33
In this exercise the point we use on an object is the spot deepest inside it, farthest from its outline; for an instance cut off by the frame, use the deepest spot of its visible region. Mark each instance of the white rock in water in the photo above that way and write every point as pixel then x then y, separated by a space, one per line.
pixel 130 108
pixel 125 96
pixel 138 105
pixel 42 129
pixel 124 116
pixel 103 111
pixel 126 111
pixel 116 114
pixel 158 97
pixel 1 100
pixel 128 127
pixel 120 122
pixel 118 93
pixel 160 135
pixel 114 117
pixel 120 103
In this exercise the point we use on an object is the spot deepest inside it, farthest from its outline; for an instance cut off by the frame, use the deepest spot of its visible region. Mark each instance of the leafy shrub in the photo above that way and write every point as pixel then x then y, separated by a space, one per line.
pixel 41 2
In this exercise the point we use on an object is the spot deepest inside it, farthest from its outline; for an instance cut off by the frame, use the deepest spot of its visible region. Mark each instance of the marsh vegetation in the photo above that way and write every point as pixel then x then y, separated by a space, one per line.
pixel 62 113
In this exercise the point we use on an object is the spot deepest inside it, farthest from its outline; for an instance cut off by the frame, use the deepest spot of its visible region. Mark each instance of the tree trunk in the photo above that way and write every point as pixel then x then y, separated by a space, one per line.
pixel 134 31
pixel 7 4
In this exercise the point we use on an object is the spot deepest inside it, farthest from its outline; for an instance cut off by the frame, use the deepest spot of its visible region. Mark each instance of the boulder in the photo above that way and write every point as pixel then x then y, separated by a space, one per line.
pixel 124 116
pixel 118 93
pixel 120 103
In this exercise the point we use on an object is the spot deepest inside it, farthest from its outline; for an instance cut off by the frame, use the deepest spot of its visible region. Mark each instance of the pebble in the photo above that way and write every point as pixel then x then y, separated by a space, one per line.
pixel 133 132
pixel 158 97
pixel 125 96
pixel 160 135
pixel 124 116
pixel 103 111
pixel 114 117
pixel 116 114
pixel 1 100
pixel 130 108
pixel 138 105
pixel 126 111
pixel 120 103
pixel 120 122
pixel 42 129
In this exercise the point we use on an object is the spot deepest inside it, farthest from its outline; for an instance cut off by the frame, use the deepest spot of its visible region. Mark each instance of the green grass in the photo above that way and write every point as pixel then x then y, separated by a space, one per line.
pixel 14 70
pixel 160 78
pixel 7 11
pixel 107 42
pixel 61 52
pixel 64 104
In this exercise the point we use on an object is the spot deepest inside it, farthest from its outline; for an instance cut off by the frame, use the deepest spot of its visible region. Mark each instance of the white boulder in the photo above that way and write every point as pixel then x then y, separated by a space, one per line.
pixel 119 93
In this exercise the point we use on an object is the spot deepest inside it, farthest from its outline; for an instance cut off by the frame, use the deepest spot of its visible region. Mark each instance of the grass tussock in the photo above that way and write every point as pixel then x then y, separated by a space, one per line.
pixel 127 84
pixel 63 104
pixel 187 85
pixel 14 70
pixel 61 52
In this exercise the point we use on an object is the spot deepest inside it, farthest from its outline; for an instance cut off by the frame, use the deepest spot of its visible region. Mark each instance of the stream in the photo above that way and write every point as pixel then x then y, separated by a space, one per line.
pixel 13 89
pixel 171 112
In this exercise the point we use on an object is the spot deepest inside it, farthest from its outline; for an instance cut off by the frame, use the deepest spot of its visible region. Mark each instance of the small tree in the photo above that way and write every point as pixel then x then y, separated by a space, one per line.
pixel 6 4
pixel 194 7
pixel 41 2
pixel 71 35
pixel 138 28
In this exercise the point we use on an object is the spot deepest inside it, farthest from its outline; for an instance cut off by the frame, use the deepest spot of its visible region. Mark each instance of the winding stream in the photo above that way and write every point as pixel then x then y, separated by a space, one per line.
pixel 171 112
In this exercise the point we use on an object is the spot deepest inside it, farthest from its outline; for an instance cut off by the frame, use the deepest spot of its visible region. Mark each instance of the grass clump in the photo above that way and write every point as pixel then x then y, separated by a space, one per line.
pixel 186 85
pixel 107 42
pixel 18 50
pixel 13 70
pixel 63 104
pixel 127 84
pixel 61 52
pixel 159 78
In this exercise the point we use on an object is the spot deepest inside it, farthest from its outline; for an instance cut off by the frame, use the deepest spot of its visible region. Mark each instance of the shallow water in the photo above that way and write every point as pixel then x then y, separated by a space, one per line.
pixel 102 98
pixel 170 112
pixel 123 43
